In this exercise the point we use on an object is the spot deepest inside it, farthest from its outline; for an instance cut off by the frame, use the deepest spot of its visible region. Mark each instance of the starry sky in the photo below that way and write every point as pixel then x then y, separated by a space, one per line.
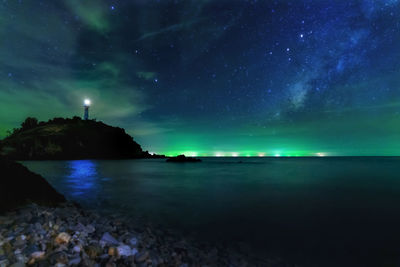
pixel 210 77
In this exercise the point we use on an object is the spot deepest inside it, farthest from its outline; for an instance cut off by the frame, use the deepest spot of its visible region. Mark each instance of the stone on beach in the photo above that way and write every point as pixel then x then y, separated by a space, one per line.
pixel 74 261
pixel 141 256
pixel 86 239
pixel 62 238
pixel 93 251
pixel 109 239
pixel 126 251
pixel 38 255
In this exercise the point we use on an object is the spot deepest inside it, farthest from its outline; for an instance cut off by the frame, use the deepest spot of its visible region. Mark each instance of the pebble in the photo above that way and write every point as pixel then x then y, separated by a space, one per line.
pixel 18 264
pixel 38 255
pixel 124 250
pixel 93 251
pixel 113 252
pixel 68 236
pixel 109 239
pixel 74 261
pixel 133 241
pixel 62 238
pixel 90 229
pixel 4 262
pixel 76 249
pixel 141 256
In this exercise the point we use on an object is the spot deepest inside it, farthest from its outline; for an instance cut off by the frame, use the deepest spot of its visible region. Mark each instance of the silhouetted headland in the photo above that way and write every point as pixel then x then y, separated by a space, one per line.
pixel 19 186
pixel 183 158
pixel 74 138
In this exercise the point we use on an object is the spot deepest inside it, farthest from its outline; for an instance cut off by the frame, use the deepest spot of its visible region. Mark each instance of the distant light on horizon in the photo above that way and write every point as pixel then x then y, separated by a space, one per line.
pixel 261 154
pixel 320 154
pixel 190 154
pixel 235 154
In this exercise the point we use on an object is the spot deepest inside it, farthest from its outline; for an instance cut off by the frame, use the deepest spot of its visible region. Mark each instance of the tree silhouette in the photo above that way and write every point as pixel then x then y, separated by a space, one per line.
pixel 29 123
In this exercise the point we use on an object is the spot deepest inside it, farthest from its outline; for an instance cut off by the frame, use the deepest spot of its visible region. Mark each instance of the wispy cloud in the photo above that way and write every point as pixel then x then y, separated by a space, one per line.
pixel 168 29
pixel 93 13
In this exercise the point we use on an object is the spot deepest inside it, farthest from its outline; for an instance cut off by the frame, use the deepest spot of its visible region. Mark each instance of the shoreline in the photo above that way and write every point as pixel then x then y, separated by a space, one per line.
pixel 68 235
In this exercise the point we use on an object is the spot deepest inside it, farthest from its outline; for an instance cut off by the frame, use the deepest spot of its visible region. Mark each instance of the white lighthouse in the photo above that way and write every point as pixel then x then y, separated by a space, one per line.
pixel 86 105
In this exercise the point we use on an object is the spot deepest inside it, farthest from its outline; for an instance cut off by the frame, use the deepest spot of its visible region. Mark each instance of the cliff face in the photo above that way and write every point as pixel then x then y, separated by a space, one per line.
pixel 69 139
pixel 19 186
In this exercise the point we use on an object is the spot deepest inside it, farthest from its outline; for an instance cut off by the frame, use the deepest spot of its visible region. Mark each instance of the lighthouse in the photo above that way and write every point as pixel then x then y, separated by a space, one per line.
pixel 86 105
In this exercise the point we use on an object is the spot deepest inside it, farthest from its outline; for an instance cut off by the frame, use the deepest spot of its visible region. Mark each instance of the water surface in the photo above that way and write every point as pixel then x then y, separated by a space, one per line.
pixel 312 211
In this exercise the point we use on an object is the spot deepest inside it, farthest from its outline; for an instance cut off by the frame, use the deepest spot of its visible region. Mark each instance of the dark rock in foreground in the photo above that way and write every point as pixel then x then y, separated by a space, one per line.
pixel 183 158
pixel 19 186
pixel 69 139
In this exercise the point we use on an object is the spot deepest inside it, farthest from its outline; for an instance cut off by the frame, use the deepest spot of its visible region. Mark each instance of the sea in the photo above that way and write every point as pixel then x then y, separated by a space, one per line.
pixel 317 211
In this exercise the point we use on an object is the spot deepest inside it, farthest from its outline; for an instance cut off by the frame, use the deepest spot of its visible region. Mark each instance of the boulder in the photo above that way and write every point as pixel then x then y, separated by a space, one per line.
pixel 19 186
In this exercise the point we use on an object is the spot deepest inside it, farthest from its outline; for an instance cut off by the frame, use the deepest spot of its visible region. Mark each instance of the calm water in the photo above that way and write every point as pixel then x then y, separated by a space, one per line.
pixel 313 211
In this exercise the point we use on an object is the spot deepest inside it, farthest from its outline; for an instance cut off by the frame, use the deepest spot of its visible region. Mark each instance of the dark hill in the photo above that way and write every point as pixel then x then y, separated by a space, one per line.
pixel 19 186
pixel 69 139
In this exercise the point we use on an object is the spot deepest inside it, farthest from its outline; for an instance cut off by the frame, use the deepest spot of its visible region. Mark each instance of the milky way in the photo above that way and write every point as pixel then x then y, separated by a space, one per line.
pixel 211 77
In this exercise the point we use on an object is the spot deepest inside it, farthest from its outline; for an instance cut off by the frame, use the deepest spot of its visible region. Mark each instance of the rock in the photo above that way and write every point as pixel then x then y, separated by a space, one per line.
pixel 38 255
pixel 110 264
pixel 18 264
pixel 93 251
pixel 21 258
pixel 30 249
pixel 60 257
pixel 133 241
pixel 62 238
pixel 124 251
pixel 19 242
pixel 76 249
pixel 21 237
pixel 141 256
pixel 20 186
pixel 53 248
pixel 7 248
pixel 109 239
pixel 113 252
pixel 74 261
pixel 90 229
pixel 4 263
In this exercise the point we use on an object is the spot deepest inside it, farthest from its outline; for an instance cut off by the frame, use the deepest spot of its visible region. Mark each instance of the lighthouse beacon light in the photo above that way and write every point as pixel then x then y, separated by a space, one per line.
pixel 86 105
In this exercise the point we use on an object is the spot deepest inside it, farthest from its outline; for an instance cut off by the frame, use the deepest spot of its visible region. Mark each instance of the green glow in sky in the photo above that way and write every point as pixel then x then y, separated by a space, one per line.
pixel 182 77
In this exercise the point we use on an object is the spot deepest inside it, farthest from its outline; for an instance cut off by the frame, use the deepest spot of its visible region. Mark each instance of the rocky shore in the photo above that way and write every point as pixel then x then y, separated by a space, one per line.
pixel 67 235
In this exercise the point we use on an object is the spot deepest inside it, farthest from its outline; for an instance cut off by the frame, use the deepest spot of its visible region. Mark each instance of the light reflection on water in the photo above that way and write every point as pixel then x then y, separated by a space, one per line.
pixel 83 177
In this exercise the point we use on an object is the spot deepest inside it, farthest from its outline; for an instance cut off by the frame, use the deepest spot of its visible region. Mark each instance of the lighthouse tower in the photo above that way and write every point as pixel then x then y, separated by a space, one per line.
pixel 86 105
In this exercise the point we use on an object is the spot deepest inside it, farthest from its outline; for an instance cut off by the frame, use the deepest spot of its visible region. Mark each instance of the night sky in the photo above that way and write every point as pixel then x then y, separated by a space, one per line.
pixel 203 77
